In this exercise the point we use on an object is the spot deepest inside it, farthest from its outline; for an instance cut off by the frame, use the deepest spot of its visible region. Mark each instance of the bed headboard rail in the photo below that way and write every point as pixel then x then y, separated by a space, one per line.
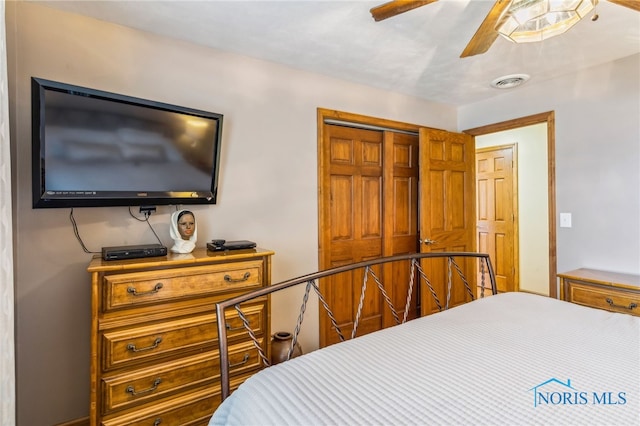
pixel 417 265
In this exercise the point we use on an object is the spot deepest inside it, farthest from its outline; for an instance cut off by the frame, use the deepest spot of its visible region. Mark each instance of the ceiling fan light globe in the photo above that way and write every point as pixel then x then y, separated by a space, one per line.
pixel 563 5
pixel 585 7
pixel 508 26
pixel 536 20
pixel 526 10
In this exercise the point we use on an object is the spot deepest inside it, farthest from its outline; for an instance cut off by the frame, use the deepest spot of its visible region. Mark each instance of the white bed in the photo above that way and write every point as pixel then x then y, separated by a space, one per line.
pixel 510 359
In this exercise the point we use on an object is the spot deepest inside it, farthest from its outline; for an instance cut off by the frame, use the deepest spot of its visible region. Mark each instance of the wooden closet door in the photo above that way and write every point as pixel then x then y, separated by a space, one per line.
pixel 447 210
pixel 401 181
pixel 368 209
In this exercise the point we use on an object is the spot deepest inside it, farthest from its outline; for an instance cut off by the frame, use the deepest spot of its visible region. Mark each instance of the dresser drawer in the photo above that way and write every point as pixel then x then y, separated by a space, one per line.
pixel 126 390
pixel 611 299
pixel 143 288
pixel 244 357
pixel 192 409
pixel 147 384
pixel 154 341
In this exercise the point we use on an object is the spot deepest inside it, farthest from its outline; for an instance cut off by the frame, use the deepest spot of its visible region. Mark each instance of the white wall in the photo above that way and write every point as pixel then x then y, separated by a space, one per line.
pixel 268 189
pixel 533 204
pixel 597 114
pixel 268 184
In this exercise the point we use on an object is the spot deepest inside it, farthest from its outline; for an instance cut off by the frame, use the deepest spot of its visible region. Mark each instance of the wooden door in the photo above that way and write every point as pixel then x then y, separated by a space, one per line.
pixel 497 208
pixel 447 210
pixel 368 209
pixel 400 231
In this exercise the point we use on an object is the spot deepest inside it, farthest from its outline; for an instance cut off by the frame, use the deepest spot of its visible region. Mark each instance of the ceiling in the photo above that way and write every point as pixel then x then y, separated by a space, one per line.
pixel 415 53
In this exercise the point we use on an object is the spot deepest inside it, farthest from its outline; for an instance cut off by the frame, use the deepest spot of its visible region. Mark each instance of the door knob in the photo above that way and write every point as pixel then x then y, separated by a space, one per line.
pixel 427 241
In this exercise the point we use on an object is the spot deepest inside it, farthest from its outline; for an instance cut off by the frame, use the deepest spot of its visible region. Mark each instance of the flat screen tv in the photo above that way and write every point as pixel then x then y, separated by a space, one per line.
pixel 93 148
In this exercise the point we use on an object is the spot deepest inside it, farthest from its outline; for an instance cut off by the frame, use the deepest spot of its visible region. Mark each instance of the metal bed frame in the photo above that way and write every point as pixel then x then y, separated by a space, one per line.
pixel 416 276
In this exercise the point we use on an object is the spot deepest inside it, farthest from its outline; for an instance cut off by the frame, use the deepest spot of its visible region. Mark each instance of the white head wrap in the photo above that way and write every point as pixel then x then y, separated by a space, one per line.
pixel 180 245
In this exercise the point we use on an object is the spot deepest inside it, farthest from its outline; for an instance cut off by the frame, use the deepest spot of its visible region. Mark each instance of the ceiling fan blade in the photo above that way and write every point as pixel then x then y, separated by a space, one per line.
pixel 396 7
pixel 631 4
pixel 486 33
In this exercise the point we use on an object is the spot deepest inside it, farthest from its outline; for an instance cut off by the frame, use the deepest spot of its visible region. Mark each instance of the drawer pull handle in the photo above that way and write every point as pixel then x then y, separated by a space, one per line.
pixel 631 306
pixel 156 288
pixel 132 390
pixel 229 328
pixel 133 348
pixel 245 277
pixel 243 362
pixel 157 422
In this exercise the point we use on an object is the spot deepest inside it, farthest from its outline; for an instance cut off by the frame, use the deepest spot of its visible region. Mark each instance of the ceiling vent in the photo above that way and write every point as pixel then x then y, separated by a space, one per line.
pixel 509 81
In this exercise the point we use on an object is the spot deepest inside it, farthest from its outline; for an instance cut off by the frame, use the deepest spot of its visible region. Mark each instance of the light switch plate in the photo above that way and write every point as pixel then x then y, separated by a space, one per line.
pixel 565 220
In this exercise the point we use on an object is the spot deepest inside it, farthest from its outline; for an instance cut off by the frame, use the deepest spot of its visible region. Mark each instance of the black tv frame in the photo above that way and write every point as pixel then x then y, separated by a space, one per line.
pixel 39 197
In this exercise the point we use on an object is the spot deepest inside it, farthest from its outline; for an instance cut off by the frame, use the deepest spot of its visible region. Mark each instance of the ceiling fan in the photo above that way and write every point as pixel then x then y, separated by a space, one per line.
pixel 486 33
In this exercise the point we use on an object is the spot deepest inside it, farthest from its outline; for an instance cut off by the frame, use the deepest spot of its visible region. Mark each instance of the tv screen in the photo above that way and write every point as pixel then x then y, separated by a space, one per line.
pixel 93 148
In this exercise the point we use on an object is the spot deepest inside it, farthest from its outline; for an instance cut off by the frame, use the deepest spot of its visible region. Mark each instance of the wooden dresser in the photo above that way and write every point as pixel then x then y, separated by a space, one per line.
pixel 612 291
pixel 154 348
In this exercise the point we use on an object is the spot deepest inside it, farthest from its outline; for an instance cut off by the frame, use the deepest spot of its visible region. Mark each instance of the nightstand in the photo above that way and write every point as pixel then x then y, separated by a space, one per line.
pixel 612 291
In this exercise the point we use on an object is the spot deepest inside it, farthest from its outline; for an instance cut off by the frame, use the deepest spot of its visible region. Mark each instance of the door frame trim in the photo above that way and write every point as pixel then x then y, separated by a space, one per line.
pixel 548 118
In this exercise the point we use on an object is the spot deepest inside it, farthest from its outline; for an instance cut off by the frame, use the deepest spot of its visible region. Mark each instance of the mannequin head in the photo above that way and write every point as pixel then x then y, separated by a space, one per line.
pixel 183 231
pixel 186 222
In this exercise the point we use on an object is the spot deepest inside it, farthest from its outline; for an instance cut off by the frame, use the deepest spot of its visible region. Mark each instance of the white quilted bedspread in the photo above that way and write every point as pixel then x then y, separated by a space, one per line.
pixel 511 359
